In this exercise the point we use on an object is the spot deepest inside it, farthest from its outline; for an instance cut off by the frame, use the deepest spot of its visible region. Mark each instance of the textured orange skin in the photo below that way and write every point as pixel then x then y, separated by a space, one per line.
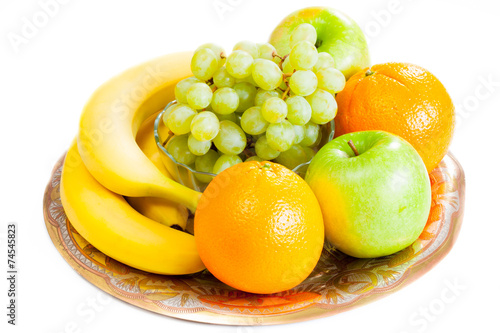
pixel 403 99
pixel 259 228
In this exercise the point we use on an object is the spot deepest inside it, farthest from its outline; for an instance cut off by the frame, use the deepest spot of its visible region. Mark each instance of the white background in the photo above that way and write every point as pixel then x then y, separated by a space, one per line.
pixel 45 83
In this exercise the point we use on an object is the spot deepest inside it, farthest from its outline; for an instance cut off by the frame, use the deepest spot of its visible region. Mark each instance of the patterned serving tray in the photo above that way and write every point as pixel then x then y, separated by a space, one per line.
pixel 338 283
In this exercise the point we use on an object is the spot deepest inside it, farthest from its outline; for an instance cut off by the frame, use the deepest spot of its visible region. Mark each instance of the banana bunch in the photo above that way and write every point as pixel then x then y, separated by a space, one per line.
pixel 161 210
pixel 111 119
pixel 115 156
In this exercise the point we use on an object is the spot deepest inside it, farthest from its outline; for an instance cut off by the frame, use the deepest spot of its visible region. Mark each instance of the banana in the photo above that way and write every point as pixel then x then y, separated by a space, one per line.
pixel 111 119
pixel 145 139
pixel 164 211
pixel 109 223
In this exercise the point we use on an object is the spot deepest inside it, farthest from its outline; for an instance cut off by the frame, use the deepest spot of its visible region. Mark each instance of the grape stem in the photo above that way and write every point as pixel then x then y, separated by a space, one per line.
pixel 248 153
pixel 170 134
pixel 277 55
pixel 285 93
pixel 282 61
pixel 353 147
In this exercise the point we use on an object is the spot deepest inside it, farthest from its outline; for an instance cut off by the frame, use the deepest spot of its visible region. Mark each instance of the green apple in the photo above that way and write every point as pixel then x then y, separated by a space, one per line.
pixel 337 34
pixel 375 203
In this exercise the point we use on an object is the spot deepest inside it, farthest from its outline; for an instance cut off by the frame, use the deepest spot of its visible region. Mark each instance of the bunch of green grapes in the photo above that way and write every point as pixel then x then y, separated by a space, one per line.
pixel 253 104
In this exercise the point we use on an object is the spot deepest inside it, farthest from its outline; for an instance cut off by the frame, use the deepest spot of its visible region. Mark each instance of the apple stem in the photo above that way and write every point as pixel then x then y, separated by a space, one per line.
pixel 353 147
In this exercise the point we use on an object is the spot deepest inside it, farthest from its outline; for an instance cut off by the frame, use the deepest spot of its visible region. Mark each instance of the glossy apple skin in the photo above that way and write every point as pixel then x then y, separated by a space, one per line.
pixel 374 204
pixel 338 35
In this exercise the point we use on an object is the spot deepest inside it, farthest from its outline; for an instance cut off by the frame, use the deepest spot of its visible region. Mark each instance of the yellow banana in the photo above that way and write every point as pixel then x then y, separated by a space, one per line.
pixel 111 119
pixel 145 139
pixel 109 223
pixel 161 210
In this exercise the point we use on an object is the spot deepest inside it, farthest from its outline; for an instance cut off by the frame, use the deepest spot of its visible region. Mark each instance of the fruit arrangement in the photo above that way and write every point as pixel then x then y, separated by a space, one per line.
pixel 245 121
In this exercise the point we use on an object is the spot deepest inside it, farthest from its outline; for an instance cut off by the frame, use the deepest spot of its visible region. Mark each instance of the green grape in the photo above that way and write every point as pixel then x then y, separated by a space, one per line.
pixel 249 47
pixel 323 105
pixel 283 86
pixel 199 96
pixel 231 139
pixel 225 100
pixel 262 95
pixel 167 112
pixel 266 51
pixel 257 137
pixel 311 134
pixel 246 93
pixel 331 80
pixel 274 110
pixel 238 119
pixel 212 88
pixel 239 64
pixel 224 162
pixel 303 32
pixel 231 117
pixel 303 56
pixel 252 121
pixel 320 137
pixel 277 61
pixel 267 74
pixel 280 136
pixel 299 133
pixel 264 151
pixel 223 79
pixel 182 87
pixel 178 148
pixel 293 157
pixel 299 110
pixel 249 79
pixel 303 83
pixel 217 50
pixel 325 60
pixel 205 126
pixel 179 120
pixel 287 67
pixel 309 153
pixel 206 163
pixel 204 64
pixel 254 158
pixel 198 147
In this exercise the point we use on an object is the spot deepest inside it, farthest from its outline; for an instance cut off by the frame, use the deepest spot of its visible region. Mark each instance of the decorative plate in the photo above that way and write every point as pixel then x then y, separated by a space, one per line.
pixel 338 283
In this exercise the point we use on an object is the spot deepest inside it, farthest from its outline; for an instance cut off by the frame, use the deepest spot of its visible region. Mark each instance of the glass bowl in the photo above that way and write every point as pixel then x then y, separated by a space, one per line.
pixel 188 176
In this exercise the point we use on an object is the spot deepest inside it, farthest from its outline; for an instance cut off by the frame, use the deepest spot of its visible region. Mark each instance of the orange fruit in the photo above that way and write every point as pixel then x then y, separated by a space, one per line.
pixel 404 99
pixel 258 228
